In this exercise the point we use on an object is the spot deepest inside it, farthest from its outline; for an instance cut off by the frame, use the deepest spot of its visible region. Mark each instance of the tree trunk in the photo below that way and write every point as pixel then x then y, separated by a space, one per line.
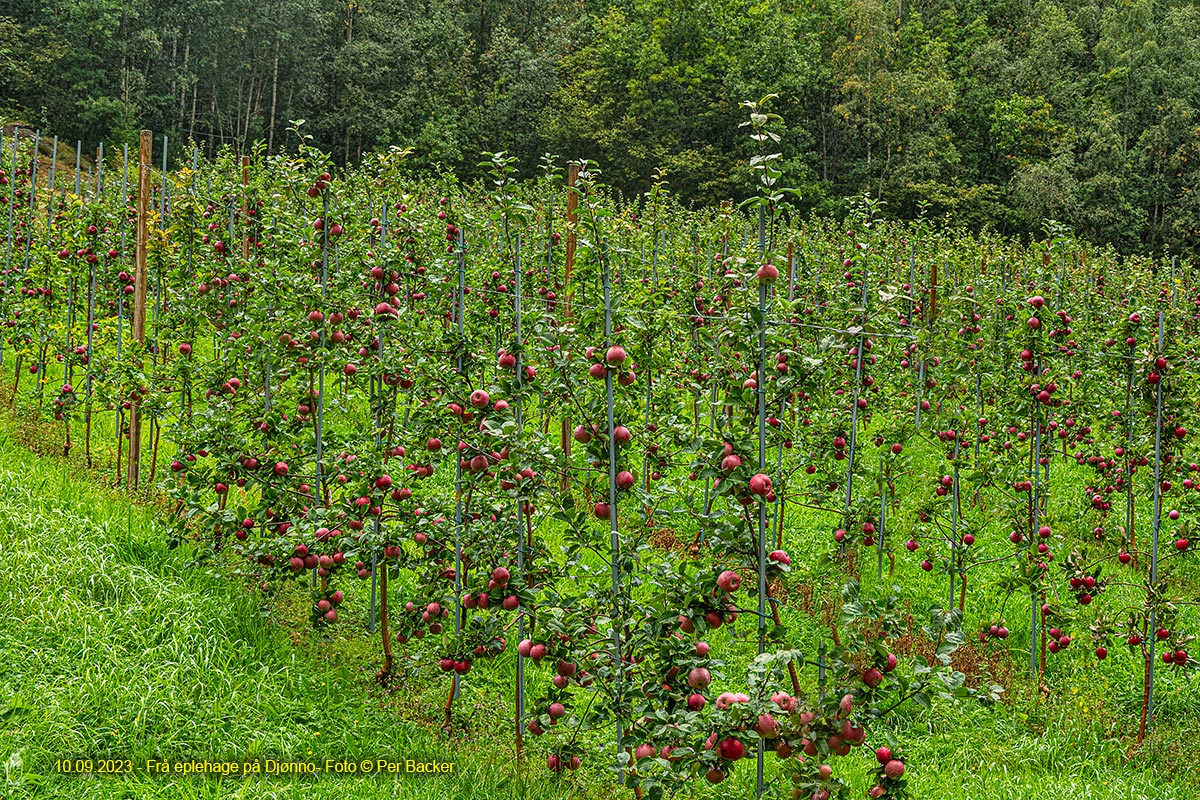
pixel 187 50
pixel 274 97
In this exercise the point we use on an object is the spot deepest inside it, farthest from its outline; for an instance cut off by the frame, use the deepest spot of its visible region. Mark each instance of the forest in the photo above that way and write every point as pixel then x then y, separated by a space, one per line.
pixel 1004 114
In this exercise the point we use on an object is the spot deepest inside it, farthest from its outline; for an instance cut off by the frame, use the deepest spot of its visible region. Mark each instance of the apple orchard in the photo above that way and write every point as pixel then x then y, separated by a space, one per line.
pixel 599 450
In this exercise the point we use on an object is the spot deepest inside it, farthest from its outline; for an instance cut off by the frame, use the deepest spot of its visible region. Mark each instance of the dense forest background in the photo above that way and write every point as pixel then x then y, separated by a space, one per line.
pixel 1000 112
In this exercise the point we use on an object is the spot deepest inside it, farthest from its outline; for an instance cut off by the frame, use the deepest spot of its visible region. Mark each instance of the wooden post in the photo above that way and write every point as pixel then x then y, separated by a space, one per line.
pixel 572 222
pixel 139 300
pixel 245 207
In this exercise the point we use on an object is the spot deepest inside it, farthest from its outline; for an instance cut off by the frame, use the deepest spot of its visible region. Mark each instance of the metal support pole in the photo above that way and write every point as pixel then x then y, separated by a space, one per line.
pixel 1158 410
pixel 139 301
pixel 614 536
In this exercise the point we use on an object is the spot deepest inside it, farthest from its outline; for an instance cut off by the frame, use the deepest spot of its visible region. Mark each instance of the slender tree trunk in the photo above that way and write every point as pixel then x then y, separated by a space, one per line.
pixel 120 441
pixel 16 382
pixel 274 96
pixel 385 673
pixel 1148 653
pixel 446 724
pixel 195 99
pixel 249 103
pixel 154 449
pixel 187 50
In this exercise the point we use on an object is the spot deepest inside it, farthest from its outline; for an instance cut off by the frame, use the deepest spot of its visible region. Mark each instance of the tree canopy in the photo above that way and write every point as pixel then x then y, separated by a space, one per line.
pixel 991 112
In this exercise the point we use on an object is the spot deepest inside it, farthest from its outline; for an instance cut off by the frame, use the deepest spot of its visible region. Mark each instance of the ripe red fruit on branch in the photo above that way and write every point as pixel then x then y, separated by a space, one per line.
pixel 731 749
pixel 766 727
pixel 760 484
pixel 729 581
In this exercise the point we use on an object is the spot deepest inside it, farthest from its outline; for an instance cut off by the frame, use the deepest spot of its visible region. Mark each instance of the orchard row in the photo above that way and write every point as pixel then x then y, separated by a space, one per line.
pixel 487 407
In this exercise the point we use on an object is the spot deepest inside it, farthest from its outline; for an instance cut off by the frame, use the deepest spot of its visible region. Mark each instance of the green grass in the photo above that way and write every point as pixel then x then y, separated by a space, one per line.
pixel 115 646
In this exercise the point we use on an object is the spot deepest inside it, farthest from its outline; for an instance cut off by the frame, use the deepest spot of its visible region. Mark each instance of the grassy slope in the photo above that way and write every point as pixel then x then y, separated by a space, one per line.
pixel 117 647
pixel 113 646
